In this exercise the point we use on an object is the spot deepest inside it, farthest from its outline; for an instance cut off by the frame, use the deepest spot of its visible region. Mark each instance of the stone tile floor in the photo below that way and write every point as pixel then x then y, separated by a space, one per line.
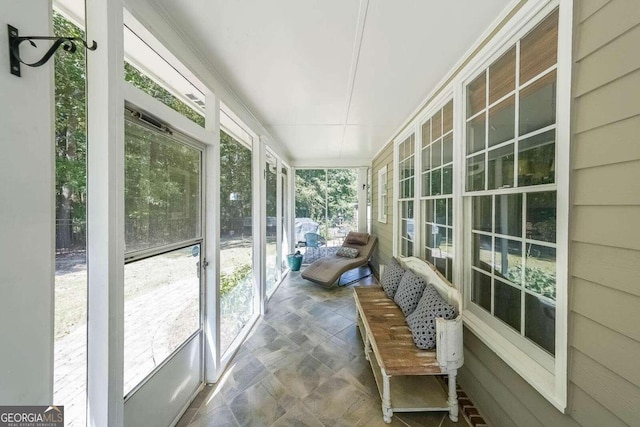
pixel 302 365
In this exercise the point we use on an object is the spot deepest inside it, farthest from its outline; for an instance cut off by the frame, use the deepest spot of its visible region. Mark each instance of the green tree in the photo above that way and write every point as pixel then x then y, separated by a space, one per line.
pixel 235 186
pixel 326 195
pixel 70 139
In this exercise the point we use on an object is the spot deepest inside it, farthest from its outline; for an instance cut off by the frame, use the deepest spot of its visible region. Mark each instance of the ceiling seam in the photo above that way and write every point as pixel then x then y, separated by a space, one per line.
pixel 357 46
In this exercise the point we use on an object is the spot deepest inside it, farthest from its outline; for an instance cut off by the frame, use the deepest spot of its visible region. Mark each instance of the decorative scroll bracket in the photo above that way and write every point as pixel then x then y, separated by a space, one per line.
pixel 67 44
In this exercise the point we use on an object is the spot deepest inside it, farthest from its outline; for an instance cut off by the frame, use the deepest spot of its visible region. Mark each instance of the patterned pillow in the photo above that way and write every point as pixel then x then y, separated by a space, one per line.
pixel 392 277
pixel 422 321
pixel 409 292
pixel 347 252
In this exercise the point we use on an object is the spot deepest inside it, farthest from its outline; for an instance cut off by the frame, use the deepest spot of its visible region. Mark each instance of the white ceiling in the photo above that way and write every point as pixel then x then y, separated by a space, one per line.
pixel 333 80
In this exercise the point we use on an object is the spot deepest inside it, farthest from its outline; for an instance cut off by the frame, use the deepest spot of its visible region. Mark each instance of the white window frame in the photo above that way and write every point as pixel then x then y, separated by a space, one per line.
pixel 547 375
pixel 436 105
pixel 383 198
pixel 410 131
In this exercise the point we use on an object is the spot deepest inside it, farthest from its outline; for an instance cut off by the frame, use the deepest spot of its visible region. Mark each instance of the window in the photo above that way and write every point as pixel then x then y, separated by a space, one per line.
pixel 406 183
pixel 163 239
pixel 437 190
pixel 236 238
pixel 510 153
pixel 382 195
pixel 271 175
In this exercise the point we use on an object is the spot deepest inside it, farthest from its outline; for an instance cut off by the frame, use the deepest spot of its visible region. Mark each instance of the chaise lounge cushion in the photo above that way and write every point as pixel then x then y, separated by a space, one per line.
pixel 422 322
pixel 391 277
pixel 355 238
pixel 409 292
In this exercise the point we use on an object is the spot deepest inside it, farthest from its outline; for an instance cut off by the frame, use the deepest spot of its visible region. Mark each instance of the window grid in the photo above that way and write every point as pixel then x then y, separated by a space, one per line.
pixel 510 156
pixel 406 171
pixel 382 195
pixel 437 184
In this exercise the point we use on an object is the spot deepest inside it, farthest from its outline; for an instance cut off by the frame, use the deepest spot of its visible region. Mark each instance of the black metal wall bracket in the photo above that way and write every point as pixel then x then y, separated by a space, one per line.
pixel 67 44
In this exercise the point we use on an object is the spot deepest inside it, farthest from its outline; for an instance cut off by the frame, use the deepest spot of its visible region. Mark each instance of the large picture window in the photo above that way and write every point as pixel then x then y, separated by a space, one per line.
pixel 163 238
pixel 511 186
pixel 437 190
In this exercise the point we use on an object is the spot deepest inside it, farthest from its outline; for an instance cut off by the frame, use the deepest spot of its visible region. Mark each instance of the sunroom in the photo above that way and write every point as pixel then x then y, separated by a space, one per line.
pixel 154 187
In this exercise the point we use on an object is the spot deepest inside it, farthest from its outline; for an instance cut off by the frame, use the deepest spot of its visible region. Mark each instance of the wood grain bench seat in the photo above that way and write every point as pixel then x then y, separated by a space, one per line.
pixel 405 374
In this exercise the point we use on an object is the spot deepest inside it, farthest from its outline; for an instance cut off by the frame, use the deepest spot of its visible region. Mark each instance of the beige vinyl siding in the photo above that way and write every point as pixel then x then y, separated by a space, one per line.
pixel 384 231
pixel 604 295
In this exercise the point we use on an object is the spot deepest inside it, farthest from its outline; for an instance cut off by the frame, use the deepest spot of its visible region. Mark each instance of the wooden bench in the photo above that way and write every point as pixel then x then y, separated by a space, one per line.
pixel 405 375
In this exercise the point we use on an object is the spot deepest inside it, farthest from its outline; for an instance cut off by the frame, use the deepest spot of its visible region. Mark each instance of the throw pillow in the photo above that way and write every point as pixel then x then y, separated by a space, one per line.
pixel 422 321
pixel 391 278
pixel 354 238
pixel 409 292
pixel 347 252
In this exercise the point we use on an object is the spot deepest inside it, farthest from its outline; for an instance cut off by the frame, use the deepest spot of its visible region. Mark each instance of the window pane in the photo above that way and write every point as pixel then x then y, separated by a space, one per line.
pixel 509 214
pixel 162 189
pixel 436 154
pixel 447 117
pixel 441 211
pixel 539 48
pixel 508 260
pixel 538 104
pixel 500 173
pixel 481 290
pixel 236 239
pixel 429 206
pixel 541 216
pixel 161 309
pixel 447 180
pixel 476 95
pixel 482 253
pixel 540 322
pixel 540 276
pixel 436 181
pixel 475 173
pixel 272 225
pixel 426 133
pixel 436 125
pixel 507 304
pixel 150 87
pixel 70 299
pixel 476 134
pixel 450 211
pixel 426 158
pixel 426 184
pixel 447 149
pixel 536 162
pixel 502 76
pixel 481 215
pixel 501 121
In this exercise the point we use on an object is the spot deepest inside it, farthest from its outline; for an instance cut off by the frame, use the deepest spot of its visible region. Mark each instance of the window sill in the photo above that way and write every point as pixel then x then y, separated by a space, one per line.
pixel 551 387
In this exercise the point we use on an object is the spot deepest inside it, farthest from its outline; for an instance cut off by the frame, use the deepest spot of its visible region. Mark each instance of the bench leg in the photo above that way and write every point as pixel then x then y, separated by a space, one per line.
pixel 387 412
pixel 367 347
pixel 453 396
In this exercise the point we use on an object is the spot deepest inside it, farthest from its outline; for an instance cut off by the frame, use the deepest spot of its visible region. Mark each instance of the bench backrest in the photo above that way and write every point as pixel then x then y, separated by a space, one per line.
pixel 424 269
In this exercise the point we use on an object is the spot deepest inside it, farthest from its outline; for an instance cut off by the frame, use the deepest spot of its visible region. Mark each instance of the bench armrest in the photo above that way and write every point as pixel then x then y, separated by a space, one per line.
pixel 449 345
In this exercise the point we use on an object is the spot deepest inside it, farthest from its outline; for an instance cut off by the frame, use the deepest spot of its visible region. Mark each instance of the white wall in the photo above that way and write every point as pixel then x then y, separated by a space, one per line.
pixel 26 215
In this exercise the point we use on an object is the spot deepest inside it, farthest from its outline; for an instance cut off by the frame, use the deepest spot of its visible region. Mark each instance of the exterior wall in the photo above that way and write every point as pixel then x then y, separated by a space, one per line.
pixel 604 265
pixel 384 250
pixel 604 340
pixel 27 213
